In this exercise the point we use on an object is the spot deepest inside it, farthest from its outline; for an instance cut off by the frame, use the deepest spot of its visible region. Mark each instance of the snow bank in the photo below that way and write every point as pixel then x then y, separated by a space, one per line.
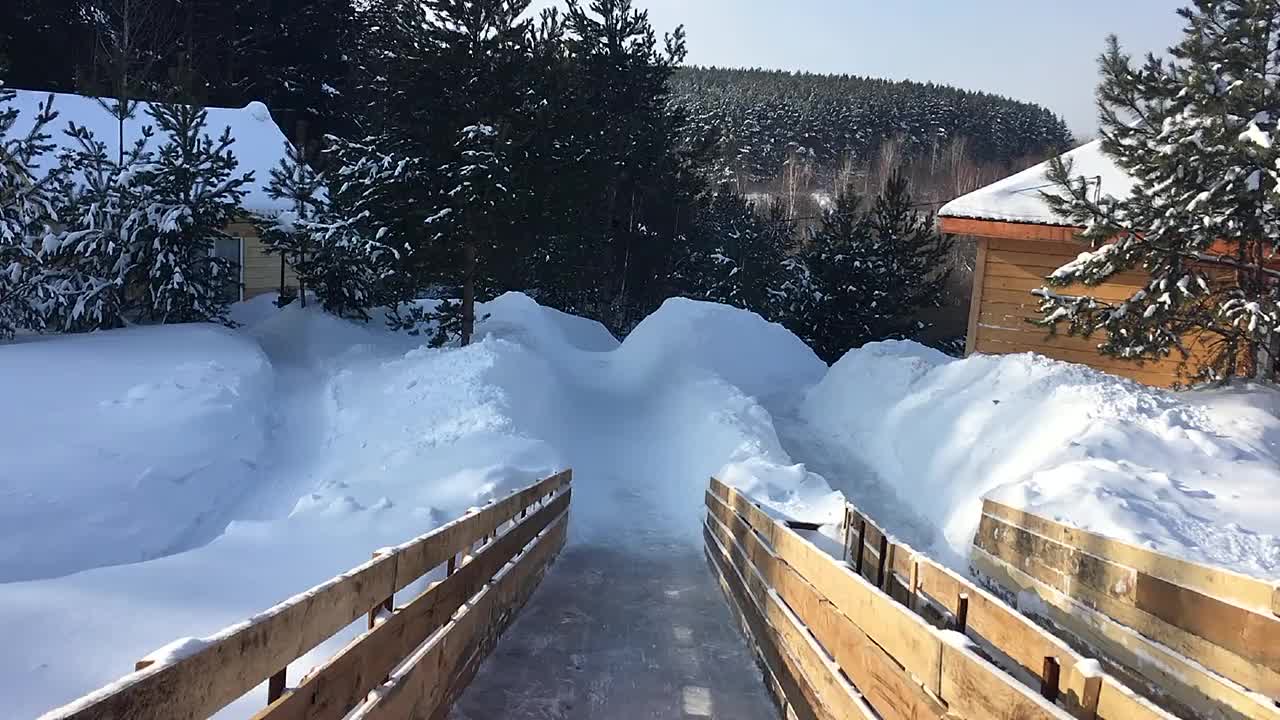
pixel 1193 474
pixel 121 446
pixel 761 358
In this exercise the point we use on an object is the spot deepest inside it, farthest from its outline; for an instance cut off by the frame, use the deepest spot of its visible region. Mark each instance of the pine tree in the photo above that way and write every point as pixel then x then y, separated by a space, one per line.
pixel 193 194
pixel 1199 136
pixel 871 271
pixel 91 269
pixel 908 263
pixel 294 182
pixel 741 258
pixel 28 216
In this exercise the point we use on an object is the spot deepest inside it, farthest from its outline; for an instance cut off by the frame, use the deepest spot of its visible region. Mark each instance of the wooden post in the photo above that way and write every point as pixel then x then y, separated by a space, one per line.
pixel 862 539
pixel 962 613
pixel 275 686
pixel 846 531
pixel 1050 678
pixel 883 569
pixel 1089 697
pixel 453 565
pixel 914 589
pixel 389 604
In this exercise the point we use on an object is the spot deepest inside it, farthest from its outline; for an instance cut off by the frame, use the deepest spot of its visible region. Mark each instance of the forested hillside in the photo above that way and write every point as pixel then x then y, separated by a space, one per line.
pixel 765 115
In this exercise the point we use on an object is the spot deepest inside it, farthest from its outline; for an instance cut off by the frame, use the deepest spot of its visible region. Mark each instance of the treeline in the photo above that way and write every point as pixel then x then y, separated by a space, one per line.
pixel 769 116
pixel 470 148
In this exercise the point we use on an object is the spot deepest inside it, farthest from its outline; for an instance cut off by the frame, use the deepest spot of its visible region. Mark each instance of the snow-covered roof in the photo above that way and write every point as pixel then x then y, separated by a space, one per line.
pixel 1019 198
pixel 259 143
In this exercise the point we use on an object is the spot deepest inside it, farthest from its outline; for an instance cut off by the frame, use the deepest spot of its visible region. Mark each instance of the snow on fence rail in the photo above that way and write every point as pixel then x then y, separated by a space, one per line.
pixel 1208 637
pixel 420 655
pixel 835 644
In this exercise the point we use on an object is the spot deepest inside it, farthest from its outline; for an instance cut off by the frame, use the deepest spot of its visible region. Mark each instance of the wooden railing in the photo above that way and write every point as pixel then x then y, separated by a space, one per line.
pixel 443 633
pixel 889 633
pixel 1207 637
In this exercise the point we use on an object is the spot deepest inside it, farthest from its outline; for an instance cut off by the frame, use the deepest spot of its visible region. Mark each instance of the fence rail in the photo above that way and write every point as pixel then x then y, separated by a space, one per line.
pixel 889 633
pixel 457 618
pixel 1208 637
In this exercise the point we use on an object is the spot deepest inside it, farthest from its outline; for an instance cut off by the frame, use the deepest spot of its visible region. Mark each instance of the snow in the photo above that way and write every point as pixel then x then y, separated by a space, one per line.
pixel 170 482
pixel 259 143
pixel 1019 198
pixel 141 436
pixel 363 439
pixel 1191 474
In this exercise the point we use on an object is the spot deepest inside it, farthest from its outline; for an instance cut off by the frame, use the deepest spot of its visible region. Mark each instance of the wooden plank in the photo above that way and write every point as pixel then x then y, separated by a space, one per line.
pixel 1020 639
pixel 238 660
pixel 1032 258
pixel 904 635
pixel 422 686
pixel 997 268
pixel 1246 634
pixel 799 692
pixel 975 297
pixel 510 600
pixel 421 555
pixel 1007 230
pixel 973 688
pixel 1170 671
pixel 1217 582
pixel 879 678
pixel 336 687
pixel 1069 248
pixel 1009 290
pixel 1275 601
pixel 241 657
pixel 1062 566
pixel 833 693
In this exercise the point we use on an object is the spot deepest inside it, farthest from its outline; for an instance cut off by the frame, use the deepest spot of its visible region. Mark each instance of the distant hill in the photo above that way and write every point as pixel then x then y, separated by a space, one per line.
pixel 839 117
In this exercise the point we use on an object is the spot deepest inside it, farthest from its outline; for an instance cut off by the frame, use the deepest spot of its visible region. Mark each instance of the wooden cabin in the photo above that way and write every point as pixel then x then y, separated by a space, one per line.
pixel 259 147
pixel 1020 241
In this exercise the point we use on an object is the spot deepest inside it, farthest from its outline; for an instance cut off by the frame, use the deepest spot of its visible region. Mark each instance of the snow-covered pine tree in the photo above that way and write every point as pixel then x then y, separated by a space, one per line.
pixel 741 257
pixel 28 215
pixel 871 271
pixel 835 320
pixel 480 180
pixel 90 270
pixel 294 182
pixel 193 194
pixel 909 263
pixel 1199 136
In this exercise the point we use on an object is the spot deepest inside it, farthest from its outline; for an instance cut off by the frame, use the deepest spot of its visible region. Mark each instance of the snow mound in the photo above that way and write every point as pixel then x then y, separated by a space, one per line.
pixel 1191 474
pixel 128 442
pixel 761 358
pixel 516 316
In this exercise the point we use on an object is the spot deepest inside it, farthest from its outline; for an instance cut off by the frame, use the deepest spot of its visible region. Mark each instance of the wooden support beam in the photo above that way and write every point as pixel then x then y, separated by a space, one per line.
pixel 1049 679
pixel 962 613
pixel 276 685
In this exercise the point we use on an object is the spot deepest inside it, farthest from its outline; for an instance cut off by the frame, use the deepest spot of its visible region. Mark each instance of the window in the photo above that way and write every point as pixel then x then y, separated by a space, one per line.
pixel 230 248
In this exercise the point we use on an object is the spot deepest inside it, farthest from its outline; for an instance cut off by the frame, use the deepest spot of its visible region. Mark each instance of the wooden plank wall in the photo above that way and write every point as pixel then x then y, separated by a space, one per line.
pixel 950 601
pixel 514 537
pixel 1207 637
pixel 1011 270
pixel 261 272
pixel 834 644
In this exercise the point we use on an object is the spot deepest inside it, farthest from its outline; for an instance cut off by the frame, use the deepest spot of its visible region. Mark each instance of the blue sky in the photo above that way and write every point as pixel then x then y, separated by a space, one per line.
pixel 1038 50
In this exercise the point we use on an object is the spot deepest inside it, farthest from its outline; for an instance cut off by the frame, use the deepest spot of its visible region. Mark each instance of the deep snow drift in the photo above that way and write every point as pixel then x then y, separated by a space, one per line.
pixel 314 441
pixel 367 440
pixel 1194 474
pixel 123 446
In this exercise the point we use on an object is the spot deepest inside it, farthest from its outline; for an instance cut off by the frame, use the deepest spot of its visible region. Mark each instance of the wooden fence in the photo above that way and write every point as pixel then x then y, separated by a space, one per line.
pixel 887 633
pixel 419 656
pixel 1207 637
